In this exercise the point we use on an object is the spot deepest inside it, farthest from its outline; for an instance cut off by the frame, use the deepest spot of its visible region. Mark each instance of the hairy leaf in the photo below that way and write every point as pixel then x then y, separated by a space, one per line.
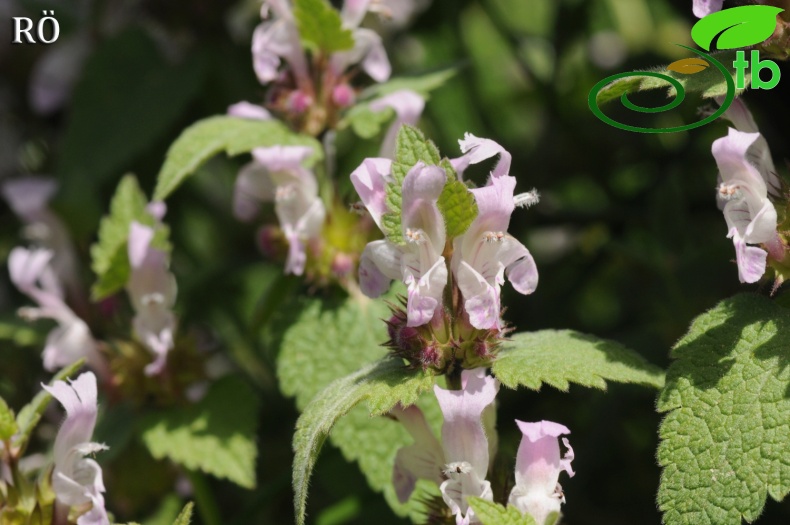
pixel 321 27
pixel 725 441
pixel 365 122
pixel 422 84
pixel 491 513
pixel 326 339
pixel 709 83
pixel 216 436
pixel 561 357
pixel 30 415
pixel 109 256
pixel 208 137
pixel 8 426
pixel 735 27
pixel 185 518
pixel 381 384
pixel 458 207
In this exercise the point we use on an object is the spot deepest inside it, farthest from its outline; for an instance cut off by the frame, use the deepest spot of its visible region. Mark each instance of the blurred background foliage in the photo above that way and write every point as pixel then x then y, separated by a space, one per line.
pixel 627 236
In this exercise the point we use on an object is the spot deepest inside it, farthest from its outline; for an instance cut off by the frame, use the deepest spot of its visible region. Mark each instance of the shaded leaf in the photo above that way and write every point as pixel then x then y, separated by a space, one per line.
pixel 561 357
pixel 185 518
pixel 8 426
pixel 321 27
pixel 457 204
pixel 216 436
pixel 725 441
pixel 208 137
pixel 490 513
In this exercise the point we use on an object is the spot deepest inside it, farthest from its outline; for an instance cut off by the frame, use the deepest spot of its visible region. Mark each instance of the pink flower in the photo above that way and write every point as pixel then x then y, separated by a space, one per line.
pixel 485 253
pixel 743 197
pixel 408 106
pixel 32 274
pixel 152 290
pixel 419 263
pixel 249 111
pixel 703 8
pixel 277 174
pixel 538 467
pixel 460 465
pixel 276 40
pixel 77 480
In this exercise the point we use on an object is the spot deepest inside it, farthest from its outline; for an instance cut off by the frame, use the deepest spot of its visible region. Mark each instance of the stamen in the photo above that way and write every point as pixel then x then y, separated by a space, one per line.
pixel 729 191
pixel 525 200
pixel 284 193
pixel 458 467
pixel 493 236
pixel 152 298
pixel 416 236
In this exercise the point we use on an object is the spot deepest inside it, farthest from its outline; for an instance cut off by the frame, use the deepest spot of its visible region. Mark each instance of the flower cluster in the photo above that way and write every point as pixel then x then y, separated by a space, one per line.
pixel 474 263
pixel 460 463
pixel 747 184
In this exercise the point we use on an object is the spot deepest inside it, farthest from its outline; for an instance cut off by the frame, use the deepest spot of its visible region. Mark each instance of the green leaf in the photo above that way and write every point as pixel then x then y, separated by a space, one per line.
pixel 110 260
pixel 725 440
pixel 422 84
pixel 30 415
pixel 127 99
pixel 321 27
pixel 324 339
pixel 216 436
pixel 709 83
pixel 412 147
pixel 561 357
pixel 381 384
pixel 735 27
pixel 365 122
pixel 491 513
pixel 208 137
pixel 8 426
pixel 457 204
pixel 185 518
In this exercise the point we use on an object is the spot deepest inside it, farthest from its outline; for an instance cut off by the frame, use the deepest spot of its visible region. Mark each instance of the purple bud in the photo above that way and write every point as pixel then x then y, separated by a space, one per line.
pixel 342 265
pixel 299 102
pixel 343 95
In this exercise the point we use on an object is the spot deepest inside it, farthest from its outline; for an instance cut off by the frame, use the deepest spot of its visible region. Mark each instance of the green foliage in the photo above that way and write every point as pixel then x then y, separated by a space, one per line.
pixel 204 139
pixel 491 513
pixel 8 426
pixel 422 84
pixel 321 27
pixel 216 436
pixel 30 415
pixel 709 83
pixel 561 357
pixel 725 440
pixel 456 203
pixel 185 518
pixel 110 260
pixel 412 147
pixel 382 385
pixel 365 122
pixel 736 27
pixel 19 332
pixel 326 339
pixel 128 97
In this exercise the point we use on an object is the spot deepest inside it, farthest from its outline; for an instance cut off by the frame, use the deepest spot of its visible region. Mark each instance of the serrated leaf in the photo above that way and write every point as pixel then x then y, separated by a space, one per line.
pixel 216 436
pixel 725 441
pixel 709 83
pixel 561 357
pixel 458 207
pixel 30 415
pixel 381 385
pixel 320 26
pixel 185 518
pixel 109 256
pixel 354 328
pixel 735 27
pixel 412 147
pixel 490 513
pixel 208 137
pixel 365 122
pixel 8 426
pixel 127 98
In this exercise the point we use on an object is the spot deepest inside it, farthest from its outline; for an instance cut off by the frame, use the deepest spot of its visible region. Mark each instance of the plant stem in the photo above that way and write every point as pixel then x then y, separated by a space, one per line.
pixel 204 498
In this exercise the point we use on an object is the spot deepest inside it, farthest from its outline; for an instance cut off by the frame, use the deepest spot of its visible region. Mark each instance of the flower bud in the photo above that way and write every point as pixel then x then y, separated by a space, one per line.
pixel 343 95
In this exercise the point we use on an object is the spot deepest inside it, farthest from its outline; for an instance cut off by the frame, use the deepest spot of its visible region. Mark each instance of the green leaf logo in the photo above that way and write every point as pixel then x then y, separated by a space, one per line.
pixel 736 27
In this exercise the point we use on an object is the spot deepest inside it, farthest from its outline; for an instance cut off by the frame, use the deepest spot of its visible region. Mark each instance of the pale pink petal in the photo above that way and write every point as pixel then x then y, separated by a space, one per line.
pixel 249 111
pixel 476 150
pixel 730 155
pixel 422 460
pixel 481 298
pixel 379 264
pixel 408 106
pixel 425 293
pixel 28 196
pixel 282 158
pixel 421 190
pixel 353 12
pixel 703 8
pixel 751 259
pixel 520 267
pixel 157 210
pixel 370 180
pixel 140 238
